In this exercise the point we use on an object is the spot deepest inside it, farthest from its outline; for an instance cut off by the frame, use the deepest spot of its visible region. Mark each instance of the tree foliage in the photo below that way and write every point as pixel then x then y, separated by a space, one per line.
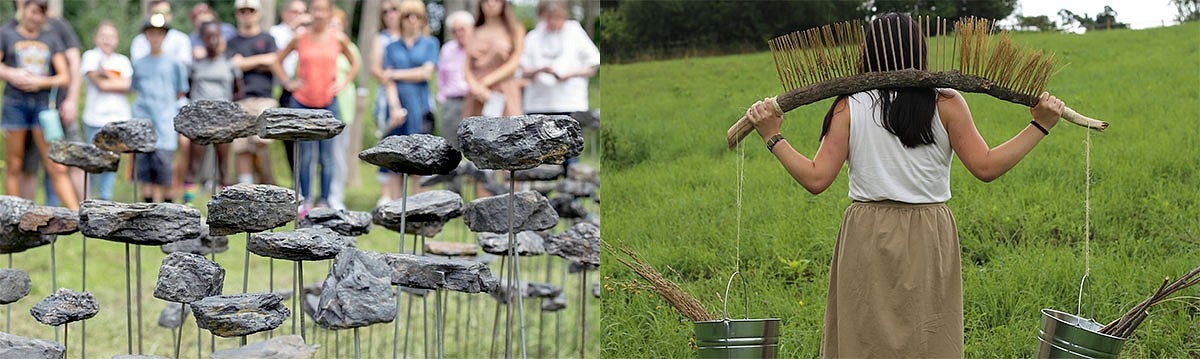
pixel 1186 10
pixel 1105 20
pixel 1040 22
pixel 948 9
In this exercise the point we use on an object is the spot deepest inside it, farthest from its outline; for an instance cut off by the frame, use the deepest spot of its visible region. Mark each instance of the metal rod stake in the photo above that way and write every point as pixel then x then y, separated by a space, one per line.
pixel 128 303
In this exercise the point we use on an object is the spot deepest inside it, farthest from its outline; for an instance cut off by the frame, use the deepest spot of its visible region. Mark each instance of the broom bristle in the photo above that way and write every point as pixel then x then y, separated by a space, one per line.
pixel 680 300
pixel 975 48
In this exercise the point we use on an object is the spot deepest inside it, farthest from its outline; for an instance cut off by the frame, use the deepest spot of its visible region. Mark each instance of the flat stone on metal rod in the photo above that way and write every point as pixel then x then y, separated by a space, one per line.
pixel 240 314
pixel 12 238
pixel 298 124
pixel 85 156
pixel 531 212
pixel 204 245
pixel 357 292
pixel 136 136
pixel 152 224
pixel 519 142
pixel 567 207
pixel 540 173
pixel 287 346
pixel 12 346
pixel 14 285
pixel 426 272
pixel 418 154
pixel 580 244
pixel 451 249
pixel 555 304
pixel 304 244
pixel 437 206
pixel 250 208
pixel 343 222
pixel 172 315
pixel 208 122
pixel 529 243
pixel 65 306
pixel 50 220
pixel 185 278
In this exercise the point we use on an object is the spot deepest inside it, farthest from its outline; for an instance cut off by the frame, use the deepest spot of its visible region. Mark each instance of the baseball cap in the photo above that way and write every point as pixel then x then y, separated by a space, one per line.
pixel 156 21
pixel 248 4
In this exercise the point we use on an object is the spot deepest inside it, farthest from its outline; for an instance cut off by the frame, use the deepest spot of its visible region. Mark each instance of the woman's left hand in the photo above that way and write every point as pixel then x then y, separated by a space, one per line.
pixel 765 119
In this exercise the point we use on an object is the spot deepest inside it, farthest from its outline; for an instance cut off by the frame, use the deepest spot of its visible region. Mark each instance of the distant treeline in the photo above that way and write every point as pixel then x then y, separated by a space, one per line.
pixel 636 30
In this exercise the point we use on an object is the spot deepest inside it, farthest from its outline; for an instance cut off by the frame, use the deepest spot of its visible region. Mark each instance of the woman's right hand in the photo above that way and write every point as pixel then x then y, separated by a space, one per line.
pixel 481 93
pixel 293 85
pixel 765 119
pixel 1048 110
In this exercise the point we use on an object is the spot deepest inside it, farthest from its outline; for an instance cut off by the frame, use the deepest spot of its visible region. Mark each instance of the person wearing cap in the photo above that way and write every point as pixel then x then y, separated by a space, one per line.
pixel 176 43
pixel 159 80
pixel 252 51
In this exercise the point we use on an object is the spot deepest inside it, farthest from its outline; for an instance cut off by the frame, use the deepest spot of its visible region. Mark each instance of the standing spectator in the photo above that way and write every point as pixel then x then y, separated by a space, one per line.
pixel 177 45
pixel 159 80
pixel 67 103
pixel 408 64
pixel 390 18
pixel 559 57
pixel 202 13
pixel 315 87
pixel 253 51
pixel 109 75
pixel 213 77
pixel 295 19
pixel 345 100
pixel 32 62
pixel 493 55
pixel 452 85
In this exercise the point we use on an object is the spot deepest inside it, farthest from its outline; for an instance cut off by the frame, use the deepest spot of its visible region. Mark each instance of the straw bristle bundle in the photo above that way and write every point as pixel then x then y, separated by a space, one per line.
pixel 974 49
pixel 680 300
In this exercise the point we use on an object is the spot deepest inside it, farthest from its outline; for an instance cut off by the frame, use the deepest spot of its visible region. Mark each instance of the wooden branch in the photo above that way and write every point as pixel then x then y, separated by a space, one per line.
pixel 895 79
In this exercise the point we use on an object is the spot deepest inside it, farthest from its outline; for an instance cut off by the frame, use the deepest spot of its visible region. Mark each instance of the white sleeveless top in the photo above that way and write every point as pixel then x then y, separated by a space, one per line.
pixel 881 168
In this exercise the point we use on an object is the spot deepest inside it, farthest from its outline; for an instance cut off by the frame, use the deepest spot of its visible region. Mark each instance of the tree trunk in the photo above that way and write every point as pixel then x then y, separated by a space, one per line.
pixel 455 5
pixel 591 10
pixel 267 17
pixel 368 26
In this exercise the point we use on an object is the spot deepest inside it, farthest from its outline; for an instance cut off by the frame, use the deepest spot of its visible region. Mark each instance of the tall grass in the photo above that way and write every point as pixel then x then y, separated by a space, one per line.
pixel 672 190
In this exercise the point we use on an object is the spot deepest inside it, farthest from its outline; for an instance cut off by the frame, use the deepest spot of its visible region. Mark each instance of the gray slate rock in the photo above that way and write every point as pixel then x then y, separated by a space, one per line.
pixel 540 173
pixel 356 293
pixel 587 119
pixel 298 124
pixel 12 238
pixel 204 245
pixel 425 212
pixel 185 278
pixel 250 208
pixel 596 289
pixel 50 220
pixel 85 156
pixel 128 356
pixel 65 306
pixel 519 142
pixel 425 272
pixel 418 154
pixel 554 304
pixel 304 244
pixel 172 315
pixel 529 243
pixel 240 314
pixel 580 243
pixel 531 212
pixel 526 289
pixel 343 222
pixel 451 249
pixel 281 347
pixel 208 122
pixel 14 285
pixel 12 346
pixel 136 136
pixel 152 224
pixel 567 207
pixel 583 172
pixel 576 188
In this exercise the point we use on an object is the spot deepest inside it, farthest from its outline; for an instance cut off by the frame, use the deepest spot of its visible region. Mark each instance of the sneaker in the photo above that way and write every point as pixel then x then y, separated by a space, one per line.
pixel 303 210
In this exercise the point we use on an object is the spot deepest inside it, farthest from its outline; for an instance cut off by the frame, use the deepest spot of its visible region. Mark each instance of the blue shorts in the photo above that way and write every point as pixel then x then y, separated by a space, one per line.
pixel 20 113
pixel 155 167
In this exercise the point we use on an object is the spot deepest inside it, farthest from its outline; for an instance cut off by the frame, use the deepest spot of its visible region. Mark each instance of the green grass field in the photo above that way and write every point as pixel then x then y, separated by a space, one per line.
pixel 672 191
pixel 106 332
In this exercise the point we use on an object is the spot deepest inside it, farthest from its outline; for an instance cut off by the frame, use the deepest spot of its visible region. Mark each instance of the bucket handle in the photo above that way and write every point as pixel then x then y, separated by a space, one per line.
pixel 746 296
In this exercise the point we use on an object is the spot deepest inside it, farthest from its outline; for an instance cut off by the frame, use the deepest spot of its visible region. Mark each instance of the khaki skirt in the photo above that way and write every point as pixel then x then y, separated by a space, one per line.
pixel 895 284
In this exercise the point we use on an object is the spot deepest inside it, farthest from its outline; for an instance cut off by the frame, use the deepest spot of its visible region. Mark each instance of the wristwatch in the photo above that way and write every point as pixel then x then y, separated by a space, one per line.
pixel 772 141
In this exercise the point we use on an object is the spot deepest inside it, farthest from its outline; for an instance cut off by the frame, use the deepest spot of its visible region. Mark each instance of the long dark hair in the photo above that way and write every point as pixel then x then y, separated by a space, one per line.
pixel 506 12
pixel 894 42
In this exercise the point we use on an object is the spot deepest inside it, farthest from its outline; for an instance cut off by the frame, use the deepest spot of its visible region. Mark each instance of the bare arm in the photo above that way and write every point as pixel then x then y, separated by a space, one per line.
pixel 376 56
pixel 988 164
pixel 109 84
pixel 415 74
pixel 509 67
pixel 70 105
pixel 62 76
pixel 353 63
pixel 818 173
pixel 250 63
pixel 277 66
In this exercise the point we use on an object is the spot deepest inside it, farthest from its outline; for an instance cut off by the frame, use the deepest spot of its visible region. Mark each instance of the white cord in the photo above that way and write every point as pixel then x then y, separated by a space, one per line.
pixel 741 177
pixel 1087 217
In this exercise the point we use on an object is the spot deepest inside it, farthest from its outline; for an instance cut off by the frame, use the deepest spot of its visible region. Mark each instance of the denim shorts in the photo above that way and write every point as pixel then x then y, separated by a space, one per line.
pixel 20 112
pixel 155 167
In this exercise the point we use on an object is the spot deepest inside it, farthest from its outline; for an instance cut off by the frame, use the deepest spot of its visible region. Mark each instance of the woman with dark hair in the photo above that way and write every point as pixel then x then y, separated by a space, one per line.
pixel 493 55
pixel 32 62
pixel 895 282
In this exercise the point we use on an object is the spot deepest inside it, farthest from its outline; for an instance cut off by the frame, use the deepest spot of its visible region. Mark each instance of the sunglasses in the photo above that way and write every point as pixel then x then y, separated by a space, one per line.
pixel 389 10
pixel 411 15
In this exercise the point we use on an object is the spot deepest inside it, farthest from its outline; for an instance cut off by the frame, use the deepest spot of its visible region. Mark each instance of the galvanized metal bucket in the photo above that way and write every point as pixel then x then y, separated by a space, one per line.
pixel 737 338
pixel 1064 335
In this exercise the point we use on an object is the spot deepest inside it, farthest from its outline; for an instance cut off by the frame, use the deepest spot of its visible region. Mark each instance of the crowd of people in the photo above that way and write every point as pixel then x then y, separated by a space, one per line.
pixel 489 65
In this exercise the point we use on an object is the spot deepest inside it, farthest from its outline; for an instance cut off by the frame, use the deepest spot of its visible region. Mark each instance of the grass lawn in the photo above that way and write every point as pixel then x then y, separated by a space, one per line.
pixel 672 189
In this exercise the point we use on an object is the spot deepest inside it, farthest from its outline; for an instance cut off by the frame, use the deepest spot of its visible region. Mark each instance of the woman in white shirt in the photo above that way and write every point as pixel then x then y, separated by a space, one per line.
pixel 108 75
pixel 559 58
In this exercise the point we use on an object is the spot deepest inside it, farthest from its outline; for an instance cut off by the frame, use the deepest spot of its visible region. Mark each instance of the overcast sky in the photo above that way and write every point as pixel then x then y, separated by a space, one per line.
pixel 1137 13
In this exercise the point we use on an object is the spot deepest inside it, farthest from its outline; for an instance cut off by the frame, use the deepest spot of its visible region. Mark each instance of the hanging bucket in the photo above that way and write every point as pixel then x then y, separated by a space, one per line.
pixel 737 338
pixel 1064 335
